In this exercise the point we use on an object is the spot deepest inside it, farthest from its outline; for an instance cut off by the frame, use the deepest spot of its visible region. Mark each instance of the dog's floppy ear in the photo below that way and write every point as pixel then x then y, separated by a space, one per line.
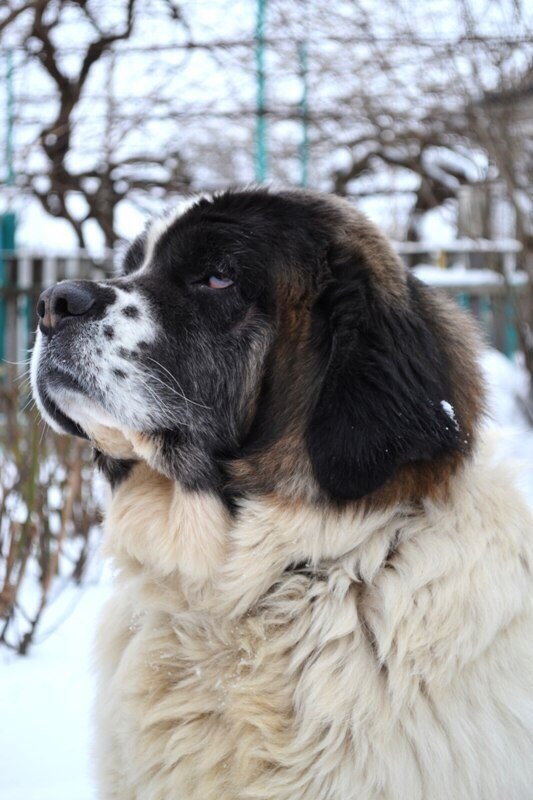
pixel 385 397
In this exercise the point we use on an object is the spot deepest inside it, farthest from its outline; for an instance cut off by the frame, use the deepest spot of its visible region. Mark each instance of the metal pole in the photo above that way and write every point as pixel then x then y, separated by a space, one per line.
pixel 7 220
pixel 304 112
pixel 10 177
pixel 261 166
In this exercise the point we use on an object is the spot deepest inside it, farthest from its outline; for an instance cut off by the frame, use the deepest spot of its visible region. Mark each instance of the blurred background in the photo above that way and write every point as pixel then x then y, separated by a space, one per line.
pixel 420 112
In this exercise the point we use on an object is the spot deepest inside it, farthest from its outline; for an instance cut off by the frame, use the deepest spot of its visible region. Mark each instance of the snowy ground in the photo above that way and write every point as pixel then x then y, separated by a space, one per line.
pixel 45 699
pixel 507 390
pixel 45 707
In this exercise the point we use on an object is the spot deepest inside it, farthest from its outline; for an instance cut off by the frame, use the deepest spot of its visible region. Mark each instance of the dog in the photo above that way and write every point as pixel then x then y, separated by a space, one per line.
pixel 323 579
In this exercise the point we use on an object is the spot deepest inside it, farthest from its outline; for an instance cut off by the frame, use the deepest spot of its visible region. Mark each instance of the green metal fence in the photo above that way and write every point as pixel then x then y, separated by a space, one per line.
pixel 482 276
pixel 497 303
pixel 23 277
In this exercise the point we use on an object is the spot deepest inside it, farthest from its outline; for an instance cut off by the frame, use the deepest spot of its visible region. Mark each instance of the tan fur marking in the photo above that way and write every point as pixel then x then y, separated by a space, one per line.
pixel 110 441
pixel 360 236
pixel 164 527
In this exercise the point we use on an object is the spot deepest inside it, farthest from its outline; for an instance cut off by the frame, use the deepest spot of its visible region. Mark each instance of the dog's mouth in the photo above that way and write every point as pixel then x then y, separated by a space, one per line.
pixel 73 405
pixel 52 387
pixel 54 412
pixel 60 395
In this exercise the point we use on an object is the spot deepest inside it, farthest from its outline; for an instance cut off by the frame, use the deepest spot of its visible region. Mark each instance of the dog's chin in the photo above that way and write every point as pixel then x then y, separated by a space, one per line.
pixel 96 424
pixel 54 413
pixel 68 411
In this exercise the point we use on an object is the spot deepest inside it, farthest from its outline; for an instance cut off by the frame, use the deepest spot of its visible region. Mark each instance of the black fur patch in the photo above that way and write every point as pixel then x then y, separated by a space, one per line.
pixel 380 403
pixel 115 470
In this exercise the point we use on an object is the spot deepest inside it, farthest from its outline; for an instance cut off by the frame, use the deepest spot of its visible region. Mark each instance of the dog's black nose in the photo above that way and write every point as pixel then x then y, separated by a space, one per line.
pixel 66 299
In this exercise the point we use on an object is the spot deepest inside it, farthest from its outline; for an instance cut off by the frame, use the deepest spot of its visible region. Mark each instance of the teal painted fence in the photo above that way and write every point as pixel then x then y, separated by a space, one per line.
pixel 7 244
pixel 496 303
pixel 24 276
pixel 482 275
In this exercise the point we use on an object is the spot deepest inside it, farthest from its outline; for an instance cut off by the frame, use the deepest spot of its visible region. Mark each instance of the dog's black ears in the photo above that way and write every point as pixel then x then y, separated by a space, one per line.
pixel 385 397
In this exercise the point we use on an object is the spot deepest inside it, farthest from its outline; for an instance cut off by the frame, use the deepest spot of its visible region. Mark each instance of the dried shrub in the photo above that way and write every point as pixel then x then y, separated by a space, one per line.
pixel 49 512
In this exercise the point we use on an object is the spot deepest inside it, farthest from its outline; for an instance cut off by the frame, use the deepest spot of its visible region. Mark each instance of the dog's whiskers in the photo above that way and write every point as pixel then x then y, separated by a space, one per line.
pixel 166 412
pixel 25 361
pixel 44 426
pixel 163 408
pixel 179 393
pixel 23 376
pixel 28 405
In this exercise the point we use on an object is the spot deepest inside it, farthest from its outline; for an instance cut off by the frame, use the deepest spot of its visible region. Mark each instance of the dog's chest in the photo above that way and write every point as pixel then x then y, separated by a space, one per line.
pixel 204 707
pixel 324 686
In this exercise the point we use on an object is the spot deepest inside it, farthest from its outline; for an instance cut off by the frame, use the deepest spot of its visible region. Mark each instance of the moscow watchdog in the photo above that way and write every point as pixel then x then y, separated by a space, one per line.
pixel 323 581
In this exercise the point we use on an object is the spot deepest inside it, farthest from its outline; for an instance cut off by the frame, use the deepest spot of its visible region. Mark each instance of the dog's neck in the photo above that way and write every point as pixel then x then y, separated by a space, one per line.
pixel 227 562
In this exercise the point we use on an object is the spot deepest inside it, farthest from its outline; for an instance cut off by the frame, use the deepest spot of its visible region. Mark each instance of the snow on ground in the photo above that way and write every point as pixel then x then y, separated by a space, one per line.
pixel 45 708
pixel 507 392
pixel 461 276
pixel 45 698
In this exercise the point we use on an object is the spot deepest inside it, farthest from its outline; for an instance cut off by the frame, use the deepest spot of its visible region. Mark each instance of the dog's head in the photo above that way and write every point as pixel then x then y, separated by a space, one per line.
pixel 264 342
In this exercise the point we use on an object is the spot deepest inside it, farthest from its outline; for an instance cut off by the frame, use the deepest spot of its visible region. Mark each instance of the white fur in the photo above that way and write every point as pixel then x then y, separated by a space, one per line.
pixel 398 666
pixel 135 401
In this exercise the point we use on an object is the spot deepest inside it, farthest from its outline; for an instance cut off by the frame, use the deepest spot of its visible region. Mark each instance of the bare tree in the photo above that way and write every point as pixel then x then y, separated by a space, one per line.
pixel 103 185
pixel 410 82
pixel 393 91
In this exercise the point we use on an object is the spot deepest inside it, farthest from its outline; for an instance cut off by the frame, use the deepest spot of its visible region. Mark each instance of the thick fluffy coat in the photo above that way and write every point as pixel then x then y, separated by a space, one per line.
pixel 395 665
pixel 324 583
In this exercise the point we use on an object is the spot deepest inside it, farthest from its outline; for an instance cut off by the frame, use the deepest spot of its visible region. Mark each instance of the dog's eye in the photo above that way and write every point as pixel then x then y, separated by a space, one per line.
pixel 218 282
